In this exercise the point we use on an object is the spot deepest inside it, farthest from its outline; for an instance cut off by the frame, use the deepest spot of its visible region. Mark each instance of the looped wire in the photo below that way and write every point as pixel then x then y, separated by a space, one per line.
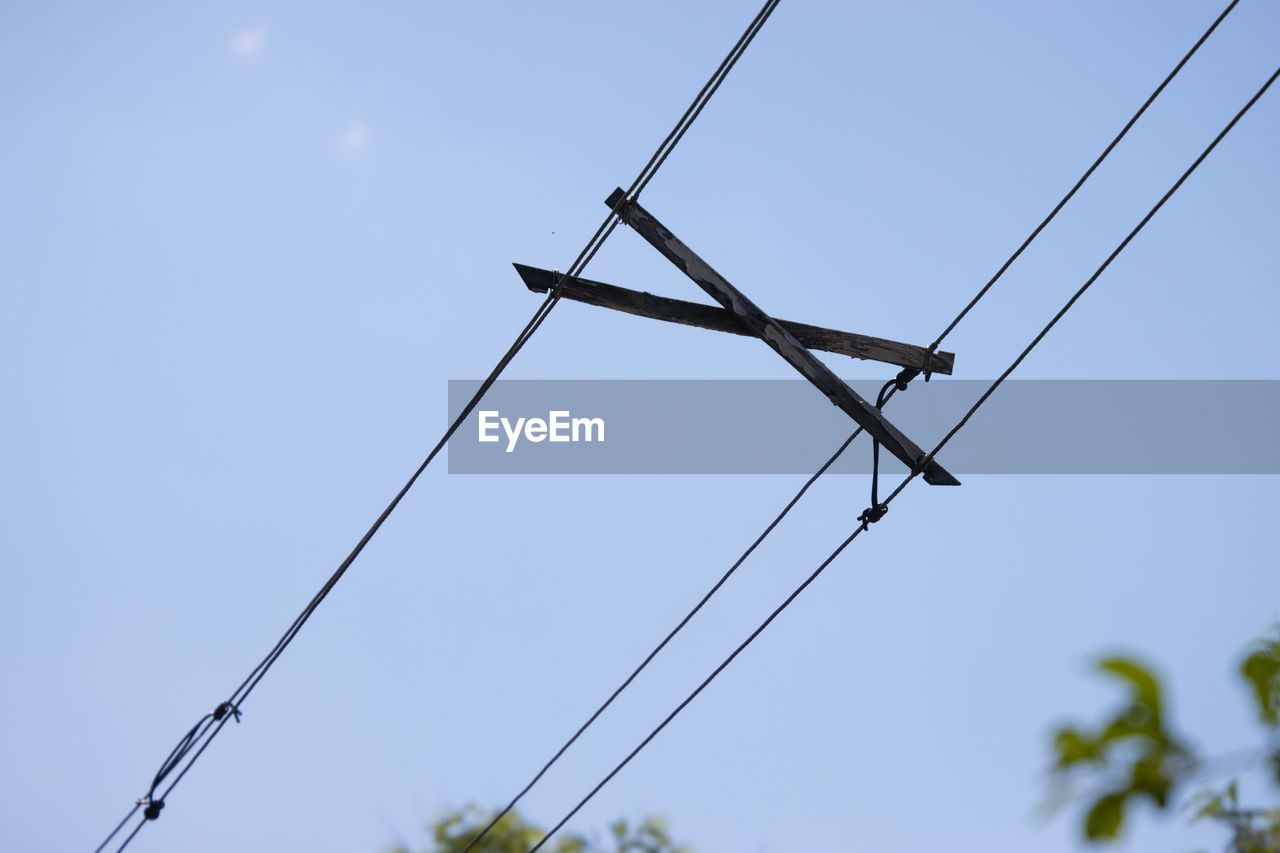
pixel 153 805
pixel 175 757
pixel 876 511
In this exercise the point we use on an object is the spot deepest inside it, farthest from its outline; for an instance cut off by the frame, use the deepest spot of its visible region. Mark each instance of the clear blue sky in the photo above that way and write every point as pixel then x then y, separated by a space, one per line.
pixel 244 246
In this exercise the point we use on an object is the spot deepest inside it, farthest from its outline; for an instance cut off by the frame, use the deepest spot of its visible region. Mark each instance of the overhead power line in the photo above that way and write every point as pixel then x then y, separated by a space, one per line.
pixel 1087 172
pixel 890 389
pixel 193 744
pixel 877 510
pixel 1118 249
pixel 667 639
pixel 865 524
pixel 200 736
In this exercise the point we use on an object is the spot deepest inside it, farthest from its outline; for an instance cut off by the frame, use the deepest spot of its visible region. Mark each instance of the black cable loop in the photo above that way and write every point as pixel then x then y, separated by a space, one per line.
pixel 175 757
pixel 876 511
pixel 154 804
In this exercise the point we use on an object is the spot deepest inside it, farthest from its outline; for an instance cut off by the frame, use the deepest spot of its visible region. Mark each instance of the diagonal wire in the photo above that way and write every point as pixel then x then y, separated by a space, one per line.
pixel 1087 173
pixel 194 745
pixel 765 624
pixel 667 639
pixel 1084 287
pixel 919 468
pixel 1056 209
pixel 702 98
pixel 119 827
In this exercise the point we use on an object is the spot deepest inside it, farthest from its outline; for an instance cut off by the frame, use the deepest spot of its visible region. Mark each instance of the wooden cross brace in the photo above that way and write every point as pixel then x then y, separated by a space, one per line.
pixel 644 304
pixel 742 316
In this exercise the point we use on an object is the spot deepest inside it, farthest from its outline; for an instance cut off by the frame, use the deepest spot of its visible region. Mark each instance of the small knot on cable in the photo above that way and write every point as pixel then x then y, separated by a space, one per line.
pixel 153 807
pixel 873 513
pixel 904 377
pixel 221 711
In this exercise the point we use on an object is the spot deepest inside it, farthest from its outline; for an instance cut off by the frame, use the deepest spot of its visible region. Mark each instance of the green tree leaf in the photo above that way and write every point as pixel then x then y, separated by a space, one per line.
pixel 513 834
pixel 1206 803
pixel 1134 754
pixel 1073 746
pixel 1262 670
pixel 1146 688
pixel 1105 818
pixel 1151 778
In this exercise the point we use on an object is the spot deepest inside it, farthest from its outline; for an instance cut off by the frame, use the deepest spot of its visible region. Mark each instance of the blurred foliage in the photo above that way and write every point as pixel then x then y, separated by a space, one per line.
pixel 1134 756
pixel 513 834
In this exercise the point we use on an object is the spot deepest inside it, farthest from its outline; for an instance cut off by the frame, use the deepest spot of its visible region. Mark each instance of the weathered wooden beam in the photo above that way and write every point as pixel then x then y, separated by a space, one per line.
pixel 782 341
pixel 710 317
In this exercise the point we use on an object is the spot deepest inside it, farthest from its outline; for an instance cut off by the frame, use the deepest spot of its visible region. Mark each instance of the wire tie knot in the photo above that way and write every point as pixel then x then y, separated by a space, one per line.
pixel 153 807
pixel 904 377
pixel 221 711
pixel 873 513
